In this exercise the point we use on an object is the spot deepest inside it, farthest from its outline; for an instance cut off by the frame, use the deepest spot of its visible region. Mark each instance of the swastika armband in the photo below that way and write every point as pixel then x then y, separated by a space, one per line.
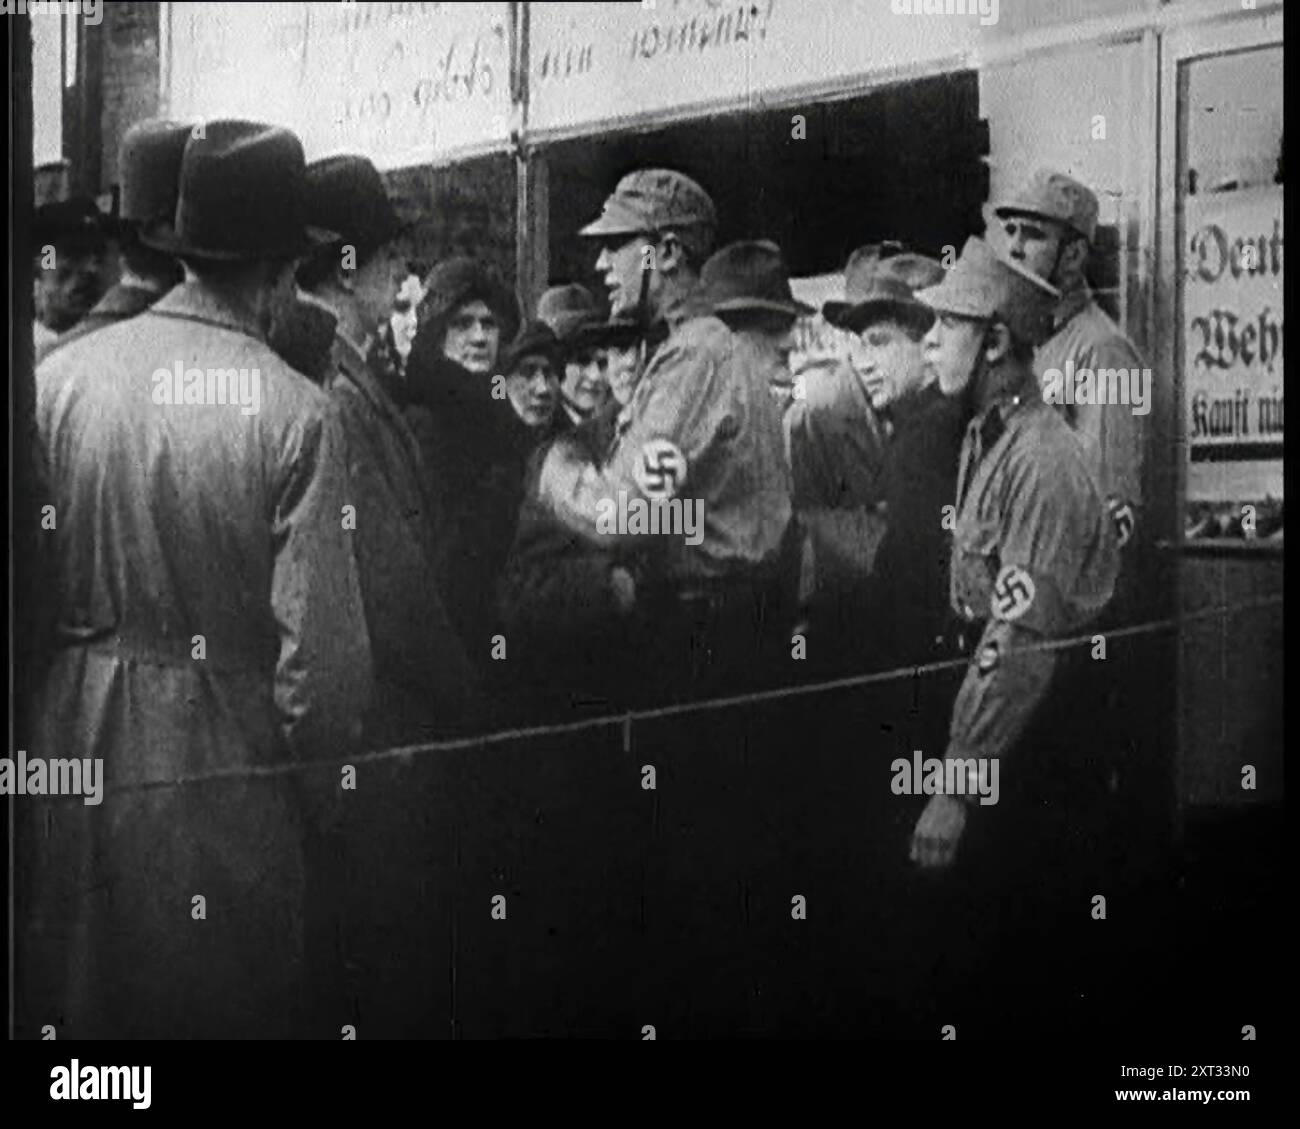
pixel 1013 594
pixel 661 468
pixel 1122 517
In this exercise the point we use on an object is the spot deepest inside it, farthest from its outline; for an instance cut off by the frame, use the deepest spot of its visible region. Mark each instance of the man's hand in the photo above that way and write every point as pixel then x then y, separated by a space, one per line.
pixel 937 832
pixel 624 587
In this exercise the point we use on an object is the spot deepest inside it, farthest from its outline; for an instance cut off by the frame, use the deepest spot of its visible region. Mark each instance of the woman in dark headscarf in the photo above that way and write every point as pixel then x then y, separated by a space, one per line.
pixel 473 444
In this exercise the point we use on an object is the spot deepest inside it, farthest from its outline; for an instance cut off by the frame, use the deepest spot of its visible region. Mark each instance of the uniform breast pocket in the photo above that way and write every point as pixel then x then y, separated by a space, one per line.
pixel 974 565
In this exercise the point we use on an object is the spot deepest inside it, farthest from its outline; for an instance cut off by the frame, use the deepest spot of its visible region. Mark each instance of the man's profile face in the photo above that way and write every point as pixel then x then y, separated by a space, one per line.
pixel 951 350
pixel 1031 241
pixel 473 337
pixel 377 281
pixel 888 360
pixel 620 263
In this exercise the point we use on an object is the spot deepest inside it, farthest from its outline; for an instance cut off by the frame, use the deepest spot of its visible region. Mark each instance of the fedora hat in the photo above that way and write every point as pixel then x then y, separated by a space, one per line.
pixel 243 197
pixel 346 194
pixel 881 280
pixel 149 165
pixel 76 222
pixel 749 276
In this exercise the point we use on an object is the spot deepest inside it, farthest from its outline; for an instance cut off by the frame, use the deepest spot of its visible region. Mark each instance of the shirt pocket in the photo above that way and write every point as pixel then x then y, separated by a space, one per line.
pixel 974 567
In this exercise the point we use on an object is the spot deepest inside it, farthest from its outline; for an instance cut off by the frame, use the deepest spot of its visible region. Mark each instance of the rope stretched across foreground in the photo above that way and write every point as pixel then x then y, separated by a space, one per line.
pixel 627 718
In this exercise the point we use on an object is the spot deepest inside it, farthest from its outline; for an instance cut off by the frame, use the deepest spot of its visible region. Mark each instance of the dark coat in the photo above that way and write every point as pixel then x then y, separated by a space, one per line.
pixel 176 521
pixel 556 602
pixel 424 684
pixel 474 451
pixel 906 598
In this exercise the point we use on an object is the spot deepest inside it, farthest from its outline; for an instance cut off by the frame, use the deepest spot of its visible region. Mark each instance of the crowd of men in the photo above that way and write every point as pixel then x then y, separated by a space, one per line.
pixel 412 539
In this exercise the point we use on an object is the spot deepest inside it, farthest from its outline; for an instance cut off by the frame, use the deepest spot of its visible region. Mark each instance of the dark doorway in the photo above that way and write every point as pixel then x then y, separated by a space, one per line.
pixel 904 162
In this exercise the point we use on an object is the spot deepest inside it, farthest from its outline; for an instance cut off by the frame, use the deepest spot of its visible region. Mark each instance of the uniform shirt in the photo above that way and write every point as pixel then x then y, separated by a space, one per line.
pixel 701 425
pixel 1034 557
pixel 1113 435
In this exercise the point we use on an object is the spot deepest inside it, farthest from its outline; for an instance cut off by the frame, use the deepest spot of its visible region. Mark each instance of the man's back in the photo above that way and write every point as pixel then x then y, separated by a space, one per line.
pixel 209 610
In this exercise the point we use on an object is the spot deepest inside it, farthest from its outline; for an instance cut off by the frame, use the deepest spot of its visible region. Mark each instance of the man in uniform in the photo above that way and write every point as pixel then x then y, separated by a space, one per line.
pixel 1049 227
pixel 150 165
pixel 1034 559
pixel 700 429
pixel 210 623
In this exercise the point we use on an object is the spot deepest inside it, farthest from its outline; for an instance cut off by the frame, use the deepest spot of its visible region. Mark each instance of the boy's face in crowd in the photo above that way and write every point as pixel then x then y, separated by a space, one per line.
pixel 66 291
pixel 377 281
pixel 621 372
pixel 889 361
pixel 533 390
pixel 951 349
pixel 586 383
pixel 620 262
pixel 1032 242
pixel 473 338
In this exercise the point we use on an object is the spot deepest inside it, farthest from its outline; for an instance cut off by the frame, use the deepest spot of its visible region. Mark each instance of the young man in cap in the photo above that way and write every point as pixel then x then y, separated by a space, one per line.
pixel 1034 560
pixel 1049 227
pixel 697 430
pixel 149 164
pixel 894 611
pixel 211 622
pixel 1034 553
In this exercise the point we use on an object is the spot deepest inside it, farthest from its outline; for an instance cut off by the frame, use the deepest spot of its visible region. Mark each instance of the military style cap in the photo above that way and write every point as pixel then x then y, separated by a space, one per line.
pixel 651 200
pixel 880 280
pixel 1054 196
pixel 986 286
pixel 750 275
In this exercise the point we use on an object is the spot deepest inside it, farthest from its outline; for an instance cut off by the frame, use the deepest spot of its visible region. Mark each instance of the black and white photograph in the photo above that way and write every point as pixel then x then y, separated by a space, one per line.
pixel 729 520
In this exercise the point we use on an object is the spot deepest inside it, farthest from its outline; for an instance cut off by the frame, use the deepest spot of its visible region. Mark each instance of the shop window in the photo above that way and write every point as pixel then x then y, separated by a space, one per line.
pixel 1230 293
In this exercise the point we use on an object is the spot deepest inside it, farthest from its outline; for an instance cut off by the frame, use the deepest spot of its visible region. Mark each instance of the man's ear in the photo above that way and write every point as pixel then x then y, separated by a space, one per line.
pixel 669 254
pixel 997 343
pixel 1074 257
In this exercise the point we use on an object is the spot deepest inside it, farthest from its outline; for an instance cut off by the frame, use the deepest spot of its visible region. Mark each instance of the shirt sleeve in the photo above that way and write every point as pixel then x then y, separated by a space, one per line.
pixel 1114 432
pixel 1045 543
pixel 680 411
pixel 323 677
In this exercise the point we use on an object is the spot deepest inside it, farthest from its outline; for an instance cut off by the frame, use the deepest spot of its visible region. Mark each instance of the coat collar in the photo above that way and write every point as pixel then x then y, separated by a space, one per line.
pixel 195 302
pixel 125 300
